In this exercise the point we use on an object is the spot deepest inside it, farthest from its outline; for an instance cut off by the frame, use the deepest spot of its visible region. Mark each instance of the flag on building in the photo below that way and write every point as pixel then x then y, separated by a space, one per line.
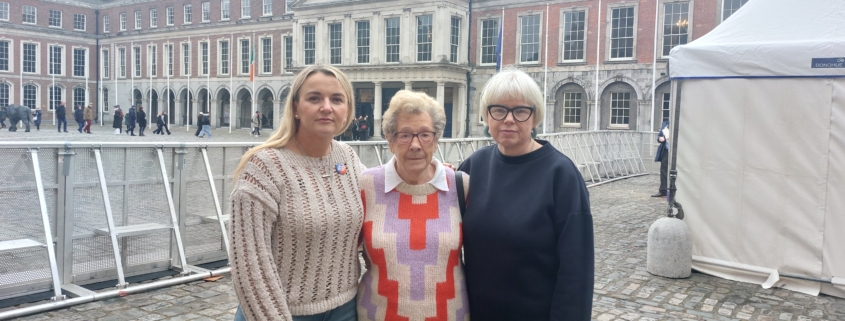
pixel 252 64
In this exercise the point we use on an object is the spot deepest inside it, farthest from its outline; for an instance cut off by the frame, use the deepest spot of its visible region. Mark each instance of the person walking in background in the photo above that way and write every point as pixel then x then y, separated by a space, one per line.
pixel 117 120
pixel 256 124
pixel 164 120
pixel 528 227
pixel 662 156
pixel 205 123
pixel 363 129
pixel 159 125
pixel 79 117
pixel 37 119
pixel 142 120
pixel 88 116
pixel 61 116
pixel 130 121
pixel 199 125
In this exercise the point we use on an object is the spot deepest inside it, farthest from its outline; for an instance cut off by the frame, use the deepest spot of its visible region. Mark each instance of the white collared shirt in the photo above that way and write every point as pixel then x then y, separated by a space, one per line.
pixel 392 179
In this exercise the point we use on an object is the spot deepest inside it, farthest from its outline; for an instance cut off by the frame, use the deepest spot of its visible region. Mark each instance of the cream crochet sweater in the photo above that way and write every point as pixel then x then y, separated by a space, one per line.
pixel 294 233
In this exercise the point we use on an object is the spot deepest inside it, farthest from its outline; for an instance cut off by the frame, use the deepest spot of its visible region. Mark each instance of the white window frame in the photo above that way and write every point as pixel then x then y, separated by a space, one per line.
pixel 206 11
pixel 455 39
pixel 562 33
pixel 169 55
pixel 722 4
pixel 153 18
pixel 105 99
pixel 78 98
pixel 519 44
pixel 661 30
pixel 245 8
pixel 137 64
pixel 398 42
pixel 36 55
pixel 609 31
pixel 123 21
pixel 10 93
pixel 50 18
pixel 610 121
pixel 51 102
pixel 62 59
pixel 417 35
pixel 224 60
pixel 266 58
pixel 4 11
pixel 566 108
pixel 37 96
pixel 152 60
pixel 339 42
pixel 481 38
pixel 105 66
pixel 121 62
pixel 225 9
pixel 267 8
pixel 204 68
pixel 106 24
pixel 287 42
pixel 288 9
pixel 10 59
pixel 187 14
pixel 313 47
pixel 33 14
pixel 243 65
pixel 137 19
pixel 358 46
pixel 170 18
pixel 84 61
pixel 185 62
pixel 84 22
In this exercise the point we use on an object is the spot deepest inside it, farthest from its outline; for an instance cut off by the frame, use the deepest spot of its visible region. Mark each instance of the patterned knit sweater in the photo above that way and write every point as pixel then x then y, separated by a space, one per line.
pixel 412 244
pixel 294 233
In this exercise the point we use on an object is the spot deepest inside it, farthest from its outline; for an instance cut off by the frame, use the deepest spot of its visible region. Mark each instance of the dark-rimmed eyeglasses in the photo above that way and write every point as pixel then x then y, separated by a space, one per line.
pixel 405 138
pixel 520 113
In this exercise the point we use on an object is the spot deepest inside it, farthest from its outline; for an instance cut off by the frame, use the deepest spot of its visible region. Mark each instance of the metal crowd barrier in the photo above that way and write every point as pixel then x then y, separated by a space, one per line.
pixel 108 211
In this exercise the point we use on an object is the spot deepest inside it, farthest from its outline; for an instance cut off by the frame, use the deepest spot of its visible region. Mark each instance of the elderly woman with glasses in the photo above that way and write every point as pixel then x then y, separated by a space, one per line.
pixel 412 222
pixel 528 237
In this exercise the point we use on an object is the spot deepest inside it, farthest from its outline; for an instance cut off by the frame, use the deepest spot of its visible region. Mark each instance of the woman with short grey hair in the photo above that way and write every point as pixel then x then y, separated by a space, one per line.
pixel 528 237
pixel 412 223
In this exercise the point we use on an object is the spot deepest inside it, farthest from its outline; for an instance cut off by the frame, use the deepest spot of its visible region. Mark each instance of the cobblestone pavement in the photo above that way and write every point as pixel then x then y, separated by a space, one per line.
pixel 106 133
pixel 622 210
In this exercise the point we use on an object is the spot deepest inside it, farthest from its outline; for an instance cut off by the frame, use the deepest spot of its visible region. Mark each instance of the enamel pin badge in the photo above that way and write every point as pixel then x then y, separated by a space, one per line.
pixel 340 169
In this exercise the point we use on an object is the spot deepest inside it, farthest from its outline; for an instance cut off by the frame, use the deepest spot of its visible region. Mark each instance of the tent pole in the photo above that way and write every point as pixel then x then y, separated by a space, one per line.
pixel 598 46
pixel 654 67
pixel 673 150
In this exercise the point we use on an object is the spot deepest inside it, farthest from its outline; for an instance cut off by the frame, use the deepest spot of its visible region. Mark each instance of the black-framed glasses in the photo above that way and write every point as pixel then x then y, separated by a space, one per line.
pixel 520 113
pixel 424 137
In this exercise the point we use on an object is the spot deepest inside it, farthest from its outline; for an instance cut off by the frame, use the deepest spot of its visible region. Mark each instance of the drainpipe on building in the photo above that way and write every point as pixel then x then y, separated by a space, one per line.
pixel 97 62
pixel 469 74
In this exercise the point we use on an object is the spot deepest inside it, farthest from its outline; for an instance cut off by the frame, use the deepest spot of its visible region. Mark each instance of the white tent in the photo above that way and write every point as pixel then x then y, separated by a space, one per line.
pixel 761 145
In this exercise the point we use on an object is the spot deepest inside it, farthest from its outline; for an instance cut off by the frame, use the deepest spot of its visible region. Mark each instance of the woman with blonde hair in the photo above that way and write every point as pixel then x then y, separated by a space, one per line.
pixel 296 209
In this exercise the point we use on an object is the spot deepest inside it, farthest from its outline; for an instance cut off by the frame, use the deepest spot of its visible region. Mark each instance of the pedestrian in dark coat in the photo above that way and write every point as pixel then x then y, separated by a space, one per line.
pixel 164 123
pixel 199 124
pixel 142 120
pixel 79 118
pixel 37 119
pixel 158 125
pixel 61 116
pixel 662 156
pixel 130 121
pixel 117 120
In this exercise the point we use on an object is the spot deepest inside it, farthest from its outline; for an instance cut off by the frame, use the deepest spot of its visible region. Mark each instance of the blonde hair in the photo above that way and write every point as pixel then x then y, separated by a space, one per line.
pixel 289 125
pixel 512 83
pixel 413 103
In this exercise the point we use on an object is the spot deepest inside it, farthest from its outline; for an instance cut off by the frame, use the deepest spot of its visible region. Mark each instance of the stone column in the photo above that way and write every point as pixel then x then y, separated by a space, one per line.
pixel 377 110
pixel 406 24
pixel 348 39
pixel 277 112
pixel 462 115
pixel 297 43
pixel 409 85
pixel 321 39
pixel 177 112
pixel 441 92
pixel 213 111
pixel 376 38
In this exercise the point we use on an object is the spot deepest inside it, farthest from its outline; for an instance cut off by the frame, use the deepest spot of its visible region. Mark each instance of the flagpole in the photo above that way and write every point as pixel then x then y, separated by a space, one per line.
pixel 188 95
pixel 231 79
pixel 154 58
pixel 654 66
pixel 598 46
pixel 208 78
pixel 114 53
pixel 53 75
pixel 252 73
pixel 546 70
pixel 501 35
pixel 169 62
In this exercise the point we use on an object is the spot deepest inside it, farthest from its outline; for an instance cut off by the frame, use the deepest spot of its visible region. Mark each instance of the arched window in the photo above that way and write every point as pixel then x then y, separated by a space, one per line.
pixel 55 96
pixel 105 107
pixel 30 94
pixel 78 97
pixel 4 94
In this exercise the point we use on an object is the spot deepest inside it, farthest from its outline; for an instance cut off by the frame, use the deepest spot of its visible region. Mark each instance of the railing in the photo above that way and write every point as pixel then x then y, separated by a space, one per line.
pixel 115 210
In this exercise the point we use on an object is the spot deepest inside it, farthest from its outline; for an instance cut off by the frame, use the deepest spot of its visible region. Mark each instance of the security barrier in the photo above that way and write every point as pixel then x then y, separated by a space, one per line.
pixel 79 213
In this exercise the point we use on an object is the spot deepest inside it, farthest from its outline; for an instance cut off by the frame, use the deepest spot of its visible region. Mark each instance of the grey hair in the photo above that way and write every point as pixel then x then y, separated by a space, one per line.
pixel 409 102
pixel 512 83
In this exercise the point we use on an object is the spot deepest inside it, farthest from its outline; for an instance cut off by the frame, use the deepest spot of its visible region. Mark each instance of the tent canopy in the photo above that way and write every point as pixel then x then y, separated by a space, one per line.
pixel 769 38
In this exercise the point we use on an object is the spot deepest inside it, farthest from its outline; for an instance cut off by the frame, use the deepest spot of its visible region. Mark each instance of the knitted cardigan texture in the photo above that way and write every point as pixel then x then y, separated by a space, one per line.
pixel 294 233
pixel 412 244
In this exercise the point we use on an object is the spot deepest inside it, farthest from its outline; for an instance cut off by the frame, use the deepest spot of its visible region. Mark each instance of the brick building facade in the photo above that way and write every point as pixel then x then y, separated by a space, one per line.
pixel 185 56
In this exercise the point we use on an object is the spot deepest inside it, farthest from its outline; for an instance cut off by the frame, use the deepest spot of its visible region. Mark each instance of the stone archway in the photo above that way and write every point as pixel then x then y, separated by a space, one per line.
pixel 619 106
pixel 187 110
pixel 137 97
pixel 571 108
pixel 244 99
pixel 152 103
pixel 223 107
pixel 661 104
pixel 264 105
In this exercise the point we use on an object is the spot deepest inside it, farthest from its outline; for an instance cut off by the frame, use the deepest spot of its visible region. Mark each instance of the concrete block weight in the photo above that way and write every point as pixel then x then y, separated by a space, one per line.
pixel 669 248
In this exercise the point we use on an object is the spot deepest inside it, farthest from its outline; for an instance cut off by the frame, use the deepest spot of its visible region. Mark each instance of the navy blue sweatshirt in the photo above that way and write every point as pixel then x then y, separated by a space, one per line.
pixel 528 237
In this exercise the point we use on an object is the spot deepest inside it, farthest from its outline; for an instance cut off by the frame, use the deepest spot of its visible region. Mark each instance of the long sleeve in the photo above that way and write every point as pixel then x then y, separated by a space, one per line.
pixel 572 298
pixel 255 212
